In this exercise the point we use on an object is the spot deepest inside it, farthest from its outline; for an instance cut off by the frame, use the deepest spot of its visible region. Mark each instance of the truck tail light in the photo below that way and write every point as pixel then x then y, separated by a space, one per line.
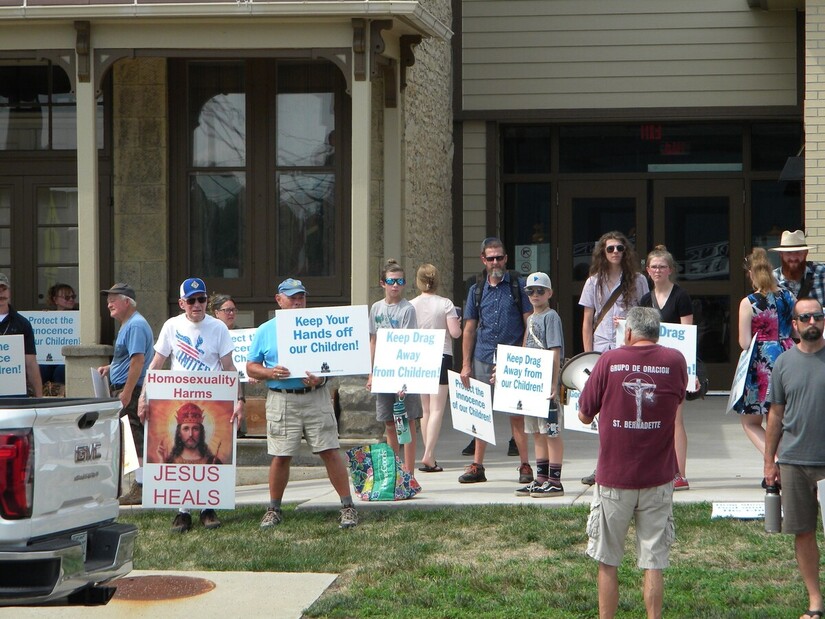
pixel 16 466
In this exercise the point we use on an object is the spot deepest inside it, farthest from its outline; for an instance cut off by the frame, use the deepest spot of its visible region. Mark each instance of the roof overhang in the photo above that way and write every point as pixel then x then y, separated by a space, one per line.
pixel 777 5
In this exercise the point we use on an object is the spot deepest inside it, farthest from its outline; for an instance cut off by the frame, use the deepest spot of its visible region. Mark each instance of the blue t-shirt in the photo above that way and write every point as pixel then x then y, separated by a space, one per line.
pixel 264 350
pixel 135 337
pixel 503 323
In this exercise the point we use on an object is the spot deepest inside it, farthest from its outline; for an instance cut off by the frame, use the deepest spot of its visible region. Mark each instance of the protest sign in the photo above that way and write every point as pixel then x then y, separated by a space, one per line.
pixel 570 412
pixel 12 365
pixel 242 339
pixel 677 336
pixel 189 443
pixel 333 341
pixel 471 408
pixel 737 389
pixel 53 331
pixel 524 380
pixel 407 360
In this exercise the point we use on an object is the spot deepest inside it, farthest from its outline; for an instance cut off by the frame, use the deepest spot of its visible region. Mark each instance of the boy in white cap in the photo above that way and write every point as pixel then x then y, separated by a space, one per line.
pixel 801 278
pixel 544 331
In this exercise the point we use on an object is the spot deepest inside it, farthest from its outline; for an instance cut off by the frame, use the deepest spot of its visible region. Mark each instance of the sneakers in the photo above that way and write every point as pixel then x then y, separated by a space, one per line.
pixel 547 489
pixel 134 496
pixel 512 448
pixel 348 519
pixel 680 483
pixel 271 518
pixel 473 474
pixel 526 490
pixel 469 450
pixel 590 479
pixel 525 473
pixel 182 522
pixel 209 519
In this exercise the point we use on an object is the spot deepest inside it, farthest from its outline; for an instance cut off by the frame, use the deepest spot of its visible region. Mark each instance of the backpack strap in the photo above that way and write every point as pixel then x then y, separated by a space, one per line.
pixel 807 283
pixel 515 292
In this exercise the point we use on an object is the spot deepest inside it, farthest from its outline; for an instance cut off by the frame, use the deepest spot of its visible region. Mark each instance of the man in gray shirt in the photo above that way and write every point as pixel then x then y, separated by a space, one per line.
pixel 796 427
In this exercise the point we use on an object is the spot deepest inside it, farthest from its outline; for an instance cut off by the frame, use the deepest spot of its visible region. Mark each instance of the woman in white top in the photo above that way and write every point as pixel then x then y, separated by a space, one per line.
pixel 434 312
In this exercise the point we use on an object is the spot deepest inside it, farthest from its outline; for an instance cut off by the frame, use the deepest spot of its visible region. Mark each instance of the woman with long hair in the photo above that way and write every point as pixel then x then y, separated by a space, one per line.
pixel 674 306
pixel 434 312
pixel 766 315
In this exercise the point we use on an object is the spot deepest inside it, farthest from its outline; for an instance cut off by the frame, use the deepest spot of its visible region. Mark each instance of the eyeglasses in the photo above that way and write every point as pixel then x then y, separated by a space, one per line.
pixel 228 310
pixel 611 248
pixel 395 280
pixel 494 258
pixel 532 292
pixel 68 297
pixel 193 300
pixel 817 316
pixel 658 267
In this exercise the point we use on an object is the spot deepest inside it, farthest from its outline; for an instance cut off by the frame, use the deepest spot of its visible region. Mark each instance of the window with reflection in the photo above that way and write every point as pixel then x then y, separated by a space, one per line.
pixel 697 233
pixel 527 228
pixel 57 245
pixel 592 217
pixel 5 228
pixel 38 110
pixel 711 315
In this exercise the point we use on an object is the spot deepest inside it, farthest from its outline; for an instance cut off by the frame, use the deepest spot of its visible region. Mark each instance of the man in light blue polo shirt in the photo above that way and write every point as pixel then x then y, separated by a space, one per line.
pixel 296 406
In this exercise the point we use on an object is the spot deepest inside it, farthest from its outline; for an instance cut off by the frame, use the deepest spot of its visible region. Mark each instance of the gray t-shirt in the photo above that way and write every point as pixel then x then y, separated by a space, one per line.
pixel 798 382
pixel 544 331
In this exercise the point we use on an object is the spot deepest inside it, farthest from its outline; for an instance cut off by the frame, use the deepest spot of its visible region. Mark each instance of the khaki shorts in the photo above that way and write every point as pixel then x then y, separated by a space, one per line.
pixel 289 416
pixel 800 504
pixel 612 510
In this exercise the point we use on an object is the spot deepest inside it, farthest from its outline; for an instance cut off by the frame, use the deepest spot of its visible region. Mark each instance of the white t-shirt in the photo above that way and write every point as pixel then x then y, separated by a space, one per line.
pixel 194 346
pixel 431 312
pixel 596 296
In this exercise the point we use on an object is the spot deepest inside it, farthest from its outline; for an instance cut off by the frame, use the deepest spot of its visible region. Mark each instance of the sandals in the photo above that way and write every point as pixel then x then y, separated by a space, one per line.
pixel 426 468
pixel 813 613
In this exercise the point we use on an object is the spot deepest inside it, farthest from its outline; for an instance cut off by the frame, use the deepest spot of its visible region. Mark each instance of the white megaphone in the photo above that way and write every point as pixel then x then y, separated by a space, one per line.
pixel 577 370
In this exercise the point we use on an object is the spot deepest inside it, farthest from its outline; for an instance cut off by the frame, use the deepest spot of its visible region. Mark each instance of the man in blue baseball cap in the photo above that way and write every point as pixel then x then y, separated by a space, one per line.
pixel 295 407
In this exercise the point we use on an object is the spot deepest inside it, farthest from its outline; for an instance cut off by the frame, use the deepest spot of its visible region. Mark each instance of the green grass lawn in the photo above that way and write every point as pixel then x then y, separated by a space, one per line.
pixel 498 561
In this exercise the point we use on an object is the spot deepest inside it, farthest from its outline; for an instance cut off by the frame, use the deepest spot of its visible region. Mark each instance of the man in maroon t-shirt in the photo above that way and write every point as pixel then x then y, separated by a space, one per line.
pixel 636 390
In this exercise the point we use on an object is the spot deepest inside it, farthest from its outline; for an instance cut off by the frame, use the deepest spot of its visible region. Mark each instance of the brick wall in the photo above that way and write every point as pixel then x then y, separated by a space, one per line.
pixel 815 127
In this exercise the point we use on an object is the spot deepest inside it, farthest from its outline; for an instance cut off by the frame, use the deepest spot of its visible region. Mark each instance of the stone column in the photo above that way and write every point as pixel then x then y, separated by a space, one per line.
pixel 79 361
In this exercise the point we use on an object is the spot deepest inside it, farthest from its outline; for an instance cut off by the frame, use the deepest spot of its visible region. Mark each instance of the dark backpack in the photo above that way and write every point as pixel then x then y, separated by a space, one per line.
pixel 478 280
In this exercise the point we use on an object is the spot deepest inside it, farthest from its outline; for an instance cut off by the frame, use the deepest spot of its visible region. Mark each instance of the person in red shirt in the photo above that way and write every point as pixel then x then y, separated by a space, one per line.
pixel 637 391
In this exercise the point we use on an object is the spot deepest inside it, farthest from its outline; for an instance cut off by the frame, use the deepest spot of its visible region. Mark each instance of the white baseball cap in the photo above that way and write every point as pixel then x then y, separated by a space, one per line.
pixel 539 279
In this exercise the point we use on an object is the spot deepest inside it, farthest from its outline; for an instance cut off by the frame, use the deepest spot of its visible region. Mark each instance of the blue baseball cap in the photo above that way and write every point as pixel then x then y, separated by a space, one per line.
pixel 291 287
pixel 193 285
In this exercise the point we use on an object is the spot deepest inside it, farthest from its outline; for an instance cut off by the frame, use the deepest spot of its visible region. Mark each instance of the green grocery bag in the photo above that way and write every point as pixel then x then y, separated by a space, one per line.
pixel 377 474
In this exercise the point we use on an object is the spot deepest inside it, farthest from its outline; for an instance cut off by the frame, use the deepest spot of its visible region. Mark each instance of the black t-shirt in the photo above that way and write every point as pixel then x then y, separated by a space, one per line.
pixel 15 324
pixel 678 304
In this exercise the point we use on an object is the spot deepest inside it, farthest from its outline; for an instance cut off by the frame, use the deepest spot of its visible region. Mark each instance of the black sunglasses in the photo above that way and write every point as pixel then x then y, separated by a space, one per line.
pixel 193 300
pixel 611 248
pixel 817 316
pixel 494 258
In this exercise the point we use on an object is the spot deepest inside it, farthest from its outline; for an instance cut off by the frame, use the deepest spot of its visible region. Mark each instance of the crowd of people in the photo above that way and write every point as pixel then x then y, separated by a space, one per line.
pixel 642 439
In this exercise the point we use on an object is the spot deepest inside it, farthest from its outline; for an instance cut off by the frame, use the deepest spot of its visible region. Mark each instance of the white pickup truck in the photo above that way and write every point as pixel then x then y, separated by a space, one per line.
pixel 60 475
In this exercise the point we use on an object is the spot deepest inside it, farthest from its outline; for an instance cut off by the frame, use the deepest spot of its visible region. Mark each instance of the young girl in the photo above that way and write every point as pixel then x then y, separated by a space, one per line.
pixel 394 312
pixel 544 331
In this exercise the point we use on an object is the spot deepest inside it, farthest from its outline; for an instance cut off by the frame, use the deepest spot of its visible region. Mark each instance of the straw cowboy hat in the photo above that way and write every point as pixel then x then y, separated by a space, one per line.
pixel 792 241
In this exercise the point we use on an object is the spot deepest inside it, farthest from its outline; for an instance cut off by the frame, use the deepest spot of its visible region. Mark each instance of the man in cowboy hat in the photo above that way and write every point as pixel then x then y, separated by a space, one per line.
pixel 804 279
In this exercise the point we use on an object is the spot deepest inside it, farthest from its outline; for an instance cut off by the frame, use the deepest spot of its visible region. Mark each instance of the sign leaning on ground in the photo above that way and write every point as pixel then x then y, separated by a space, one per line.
pixel 407 360
pixel 471 408
pixel 328 341
pixel 189 442
pixel 53 331
pixel 12 365
pixel 524 380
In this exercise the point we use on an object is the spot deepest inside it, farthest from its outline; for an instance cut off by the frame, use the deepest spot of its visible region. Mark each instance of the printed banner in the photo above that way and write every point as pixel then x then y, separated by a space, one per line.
pixel 570 412
pixel 189 449
pixel 471 408
pixel 677 336
pixel 333 341
pixel 407 360
pixel 524 380
pixel 242 339
pixel 53 331
pixel 12 365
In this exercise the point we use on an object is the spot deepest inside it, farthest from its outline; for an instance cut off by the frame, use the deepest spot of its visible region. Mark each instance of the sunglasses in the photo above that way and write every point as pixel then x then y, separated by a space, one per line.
pixel 193 300
pixel 389 281
pixel 494 258
pixel 611 248
pixel 817 316
pixel 532 292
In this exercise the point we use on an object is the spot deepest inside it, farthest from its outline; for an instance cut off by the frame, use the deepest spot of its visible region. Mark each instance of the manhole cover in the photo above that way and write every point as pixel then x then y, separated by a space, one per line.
pixel 147 588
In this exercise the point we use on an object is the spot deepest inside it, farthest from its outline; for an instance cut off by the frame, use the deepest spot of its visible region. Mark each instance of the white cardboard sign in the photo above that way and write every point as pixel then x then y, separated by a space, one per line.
pixel 407 360
pixel 471 408
pixel 12 365
pixel 242 339
pixel 677 336
pixel 524 380
pixel 53 331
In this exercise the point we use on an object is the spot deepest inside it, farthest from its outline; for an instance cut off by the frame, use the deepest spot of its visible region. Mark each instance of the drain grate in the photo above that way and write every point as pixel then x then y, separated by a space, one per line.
pixel 149 588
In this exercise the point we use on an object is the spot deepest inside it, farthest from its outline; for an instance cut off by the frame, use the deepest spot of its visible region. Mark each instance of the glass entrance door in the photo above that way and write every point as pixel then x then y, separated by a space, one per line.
pixel 702 225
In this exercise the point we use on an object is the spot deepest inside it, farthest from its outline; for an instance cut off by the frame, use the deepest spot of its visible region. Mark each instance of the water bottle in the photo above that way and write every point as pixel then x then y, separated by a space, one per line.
pixel 402 424
pixel 553 419
pixel 773 510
